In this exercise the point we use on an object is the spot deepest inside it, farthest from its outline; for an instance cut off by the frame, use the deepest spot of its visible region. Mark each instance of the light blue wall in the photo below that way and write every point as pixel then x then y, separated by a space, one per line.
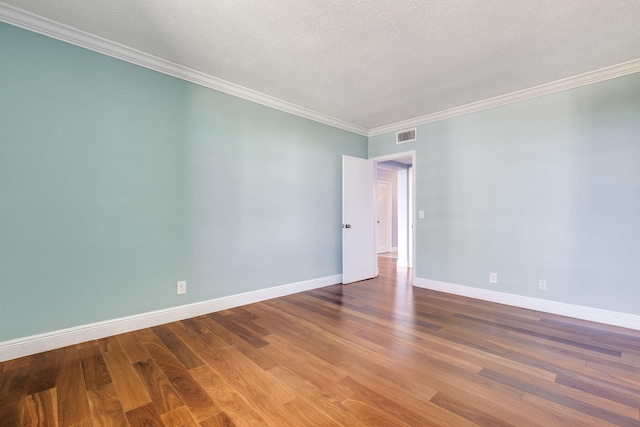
pixel 117 181
pixel 544 188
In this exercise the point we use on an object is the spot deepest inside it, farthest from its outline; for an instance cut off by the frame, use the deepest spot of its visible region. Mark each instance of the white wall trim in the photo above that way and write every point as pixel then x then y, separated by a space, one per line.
pixel 51 340
pixel 56 30
pixel 590 77
pixel 412 199
pixel 576 311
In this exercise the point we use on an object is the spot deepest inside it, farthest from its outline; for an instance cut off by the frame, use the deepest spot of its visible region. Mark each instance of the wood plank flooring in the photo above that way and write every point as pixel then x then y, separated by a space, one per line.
pixel 373 353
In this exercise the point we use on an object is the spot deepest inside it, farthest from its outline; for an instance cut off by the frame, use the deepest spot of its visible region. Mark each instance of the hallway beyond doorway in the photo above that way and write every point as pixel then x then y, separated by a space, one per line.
pixel 393 254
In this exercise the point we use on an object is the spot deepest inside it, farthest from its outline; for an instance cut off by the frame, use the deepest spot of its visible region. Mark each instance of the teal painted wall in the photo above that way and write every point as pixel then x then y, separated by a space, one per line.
pixel 117 181
pixel 545 188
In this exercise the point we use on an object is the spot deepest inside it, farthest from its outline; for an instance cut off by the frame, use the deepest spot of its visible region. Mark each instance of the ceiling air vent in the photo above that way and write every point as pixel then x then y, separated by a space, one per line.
pixel 405 136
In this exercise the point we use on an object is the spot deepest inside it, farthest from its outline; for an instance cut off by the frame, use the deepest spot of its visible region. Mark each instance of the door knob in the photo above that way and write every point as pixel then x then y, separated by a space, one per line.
pixel 346 225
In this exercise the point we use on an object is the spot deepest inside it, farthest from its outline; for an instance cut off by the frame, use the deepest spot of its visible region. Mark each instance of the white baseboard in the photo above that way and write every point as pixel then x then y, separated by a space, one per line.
pixel 51 340
pixel 576 311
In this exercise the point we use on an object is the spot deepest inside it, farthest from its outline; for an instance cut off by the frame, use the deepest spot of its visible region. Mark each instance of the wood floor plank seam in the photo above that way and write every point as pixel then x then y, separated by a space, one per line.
pixel 559 398
pixel 376 352
pixel 548 337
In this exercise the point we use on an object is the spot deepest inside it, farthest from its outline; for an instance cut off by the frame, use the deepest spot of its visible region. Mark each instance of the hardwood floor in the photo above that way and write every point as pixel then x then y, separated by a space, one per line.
pixel 374 353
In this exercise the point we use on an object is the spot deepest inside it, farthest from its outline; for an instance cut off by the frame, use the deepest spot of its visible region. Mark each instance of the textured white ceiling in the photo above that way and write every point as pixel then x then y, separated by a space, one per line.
pixel 368 62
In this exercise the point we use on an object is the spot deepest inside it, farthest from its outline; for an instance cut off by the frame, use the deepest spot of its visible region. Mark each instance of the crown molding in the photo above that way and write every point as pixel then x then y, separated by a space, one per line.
pixel 590 77
pixel 56 30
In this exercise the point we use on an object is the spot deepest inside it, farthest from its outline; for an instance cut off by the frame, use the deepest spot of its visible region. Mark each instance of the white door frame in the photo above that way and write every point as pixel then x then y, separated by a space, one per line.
pixel 412 200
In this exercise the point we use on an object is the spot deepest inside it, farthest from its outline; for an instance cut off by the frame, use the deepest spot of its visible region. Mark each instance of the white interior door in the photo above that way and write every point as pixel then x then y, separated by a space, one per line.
pixel 383 223
pixel 358 219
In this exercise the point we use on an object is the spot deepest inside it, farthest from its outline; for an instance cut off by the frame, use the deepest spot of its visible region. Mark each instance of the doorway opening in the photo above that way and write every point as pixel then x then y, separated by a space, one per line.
pixel 395 238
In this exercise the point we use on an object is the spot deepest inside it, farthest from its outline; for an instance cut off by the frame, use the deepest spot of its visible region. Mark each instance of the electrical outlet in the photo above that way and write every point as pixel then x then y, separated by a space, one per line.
pixel 181 288
pixel 493 277
pixel 542 284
